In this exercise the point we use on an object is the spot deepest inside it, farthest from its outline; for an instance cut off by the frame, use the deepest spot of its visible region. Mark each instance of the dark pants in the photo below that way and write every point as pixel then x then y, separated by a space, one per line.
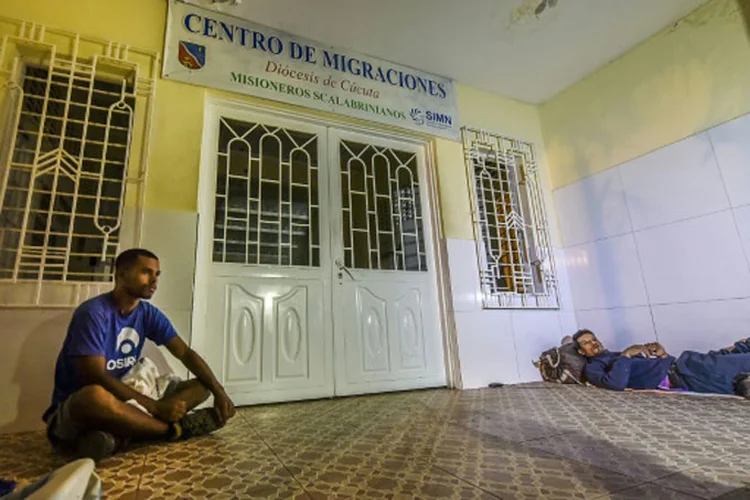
pixel 715 371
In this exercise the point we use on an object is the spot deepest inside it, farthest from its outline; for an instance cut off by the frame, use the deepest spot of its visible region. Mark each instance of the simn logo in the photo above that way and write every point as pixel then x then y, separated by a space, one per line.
pixel 438 120
pixel 431 118
pixel 417 115
pixel 192 55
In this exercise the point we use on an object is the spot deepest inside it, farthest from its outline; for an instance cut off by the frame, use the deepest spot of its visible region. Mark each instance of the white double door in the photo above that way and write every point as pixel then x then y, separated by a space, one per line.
pixel 315 266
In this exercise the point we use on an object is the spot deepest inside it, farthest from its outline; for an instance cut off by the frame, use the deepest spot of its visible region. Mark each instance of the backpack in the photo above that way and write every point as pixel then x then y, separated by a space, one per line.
pixel 563 365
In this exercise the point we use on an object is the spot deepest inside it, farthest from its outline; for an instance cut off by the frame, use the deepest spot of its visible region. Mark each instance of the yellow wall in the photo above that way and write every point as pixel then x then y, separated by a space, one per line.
pixel 178 109
pixel 688 78
pixel 681 81
pixel 137 22
pixel 487 111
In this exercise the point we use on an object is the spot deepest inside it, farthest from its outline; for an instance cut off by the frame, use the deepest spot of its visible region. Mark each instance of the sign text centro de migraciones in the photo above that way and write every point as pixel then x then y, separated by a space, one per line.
pixel 208 48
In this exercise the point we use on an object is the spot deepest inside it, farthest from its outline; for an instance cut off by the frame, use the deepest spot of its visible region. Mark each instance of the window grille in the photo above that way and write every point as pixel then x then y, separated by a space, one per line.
pixel 382 215
pixel 515 255
pixel 74 115
pixel 266 202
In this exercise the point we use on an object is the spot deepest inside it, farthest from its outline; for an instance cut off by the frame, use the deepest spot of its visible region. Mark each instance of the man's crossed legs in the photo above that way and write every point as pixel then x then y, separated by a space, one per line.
pixel 92 422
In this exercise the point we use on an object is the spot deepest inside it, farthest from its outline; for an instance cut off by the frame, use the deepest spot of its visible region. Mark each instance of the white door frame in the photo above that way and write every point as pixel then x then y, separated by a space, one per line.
pixel 270 325
pixel 371 303
pixel 203 260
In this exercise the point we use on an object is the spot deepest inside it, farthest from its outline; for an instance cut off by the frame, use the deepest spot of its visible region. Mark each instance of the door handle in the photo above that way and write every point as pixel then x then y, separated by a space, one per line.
pixel 342 268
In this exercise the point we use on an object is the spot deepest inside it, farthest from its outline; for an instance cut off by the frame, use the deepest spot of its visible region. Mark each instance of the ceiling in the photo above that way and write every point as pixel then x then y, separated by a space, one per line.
pixel 500 46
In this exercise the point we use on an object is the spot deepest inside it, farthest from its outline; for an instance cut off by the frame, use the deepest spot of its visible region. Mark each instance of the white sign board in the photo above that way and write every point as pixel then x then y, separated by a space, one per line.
pixel 211 49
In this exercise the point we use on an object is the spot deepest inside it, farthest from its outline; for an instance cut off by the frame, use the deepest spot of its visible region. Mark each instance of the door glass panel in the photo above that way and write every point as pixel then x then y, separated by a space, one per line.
pixel 382 216
pixel 266 203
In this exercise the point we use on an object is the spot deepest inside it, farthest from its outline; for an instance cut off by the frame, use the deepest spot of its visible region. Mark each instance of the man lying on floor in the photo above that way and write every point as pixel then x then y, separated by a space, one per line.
pixel 90 414
pixel 648 366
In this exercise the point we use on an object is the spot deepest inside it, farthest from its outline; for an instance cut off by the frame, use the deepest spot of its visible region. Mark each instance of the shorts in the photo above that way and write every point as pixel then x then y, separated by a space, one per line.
pixel 63 429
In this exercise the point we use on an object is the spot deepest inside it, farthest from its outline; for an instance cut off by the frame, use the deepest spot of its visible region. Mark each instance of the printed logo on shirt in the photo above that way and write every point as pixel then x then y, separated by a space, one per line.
pixel 127 342
pixel 118 364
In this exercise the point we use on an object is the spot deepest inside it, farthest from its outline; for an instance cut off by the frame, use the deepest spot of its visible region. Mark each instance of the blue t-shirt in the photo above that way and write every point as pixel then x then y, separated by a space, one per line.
pixel 98 329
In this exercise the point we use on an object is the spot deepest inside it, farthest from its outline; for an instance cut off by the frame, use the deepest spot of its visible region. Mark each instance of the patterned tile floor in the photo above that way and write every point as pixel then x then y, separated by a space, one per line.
pixel 528 441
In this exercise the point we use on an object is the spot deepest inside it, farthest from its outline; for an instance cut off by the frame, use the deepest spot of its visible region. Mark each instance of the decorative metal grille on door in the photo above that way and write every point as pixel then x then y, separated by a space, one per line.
pixel 267 207
pixel 382 212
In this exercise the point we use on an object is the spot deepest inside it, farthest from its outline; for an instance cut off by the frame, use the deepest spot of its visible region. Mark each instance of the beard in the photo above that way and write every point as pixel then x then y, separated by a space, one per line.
pixel 141 292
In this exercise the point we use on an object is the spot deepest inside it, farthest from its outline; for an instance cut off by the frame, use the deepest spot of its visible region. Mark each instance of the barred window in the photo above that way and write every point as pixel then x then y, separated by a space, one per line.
pixel 65 184
pixel 69 113
pixel 515 255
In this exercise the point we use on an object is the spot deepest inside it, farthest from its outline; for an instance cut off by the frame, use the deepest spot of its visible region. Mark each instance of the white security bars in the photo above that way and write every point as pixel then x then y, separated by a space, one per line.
pixel 514 250
pixel 74 120
pixel 382 211
pixel 267 209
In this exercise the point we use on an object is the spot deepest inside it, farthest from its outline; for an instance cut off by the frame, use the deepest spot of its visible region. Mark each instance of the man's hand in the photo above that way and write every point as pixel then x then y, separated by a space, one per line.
pixel 224 407
pixel 635 350
pixel 198 367
pixel 169 409
pixel 656 349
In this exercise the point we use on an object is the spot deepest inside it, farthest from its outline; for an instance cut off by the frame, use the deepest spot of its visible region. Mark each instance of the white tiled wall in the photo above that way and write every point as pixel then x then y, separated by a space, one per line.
pixel 674 183
pixel 703 326
pixel 733 154
pixel 595 209
pixel 694 260
pixel 486 348
pixel 500 345
pixel 619 327
pixel 605 273
pixel 659 247
pixel 742 219
pixel 534 332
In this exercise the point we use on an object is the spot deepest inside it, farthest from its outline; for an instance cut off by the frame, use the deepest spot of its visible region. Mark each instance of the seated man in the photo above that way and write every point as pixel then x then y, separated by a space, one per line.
pixel 89 414
pixel 648 366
